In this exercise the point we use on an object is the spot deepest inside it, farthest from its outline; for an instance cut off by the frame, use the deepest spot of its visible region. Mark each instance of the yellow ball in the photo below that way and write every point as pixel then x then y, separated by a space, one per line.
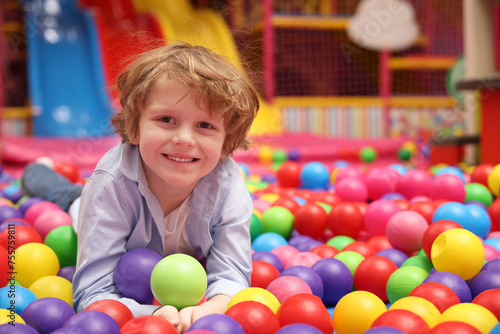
pixel 410 146
pixel 6 316
pixel 494 180
pixel 458 251
pixel 356 311
pixel 265 154
pixel 270 197
pixel 53 286
pixel 473 314
pixel 33 261
pixel 420 306
pixel 257 213
pixel 256 294
pixel 333 175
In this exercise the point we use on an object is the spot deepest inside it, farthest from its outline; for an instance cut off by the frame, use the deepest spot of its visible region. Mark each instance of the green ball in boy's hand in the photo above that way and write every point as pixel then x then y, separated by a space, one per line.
pixel 178 280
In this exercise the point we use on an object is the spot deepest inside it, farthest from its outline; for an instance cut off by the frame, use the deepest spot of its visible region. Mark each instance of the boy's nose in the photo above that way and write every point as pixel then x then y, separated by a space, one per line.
pixel 184 136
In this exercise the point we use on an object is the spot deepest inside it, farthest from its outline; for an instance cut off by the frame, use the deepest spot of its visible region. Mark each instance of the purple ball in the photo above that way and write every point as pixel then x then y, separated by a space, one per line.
pixel 395 255
pixel 309 276
pixel 454 282
pixel 17 329
pixel 485 280
pixel 298 329
pixel 336 277
pixel 219 323
pixel 6 224
pixel 8 212
pixel 91 322
pixel 67 273
pixel 268 257
pixel 133 274
pixel 383 330
pixel 492 265
pixel 392 196
pixel 298 240
pixel 308 245
pixel 24 206
pixel 47 314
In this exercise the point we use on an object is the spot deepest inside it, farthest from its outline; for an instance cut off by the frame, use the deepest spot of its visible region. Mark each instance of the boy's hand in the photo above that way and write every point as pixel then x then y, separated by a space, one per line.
pixel 170 314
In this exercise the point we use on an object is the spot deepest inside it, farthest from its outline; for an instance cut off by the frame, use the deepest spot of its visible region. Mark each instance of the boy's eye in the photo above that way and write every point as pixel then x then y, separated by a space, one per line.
pixel 205 125
pixel 166 119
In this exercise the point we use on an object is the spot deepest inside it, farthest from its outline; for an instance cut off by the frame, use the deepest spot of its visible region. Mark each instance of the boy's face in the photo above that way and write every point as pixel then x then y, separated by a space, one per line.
pixel 179 142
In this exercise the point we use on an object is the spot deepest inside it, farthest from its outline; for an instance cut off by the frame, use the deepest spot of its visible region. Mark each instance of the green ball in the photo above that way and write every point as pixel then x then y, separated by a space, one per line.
pixel 368 154
pixel 63 241
pixel 178 280
pixel 420 261
pixel 255 226
pixel 280 156
pixel 478 192
pixel 351 259
pixel 279 220
pixel 339 241
pixel 404 154
pixel 403 281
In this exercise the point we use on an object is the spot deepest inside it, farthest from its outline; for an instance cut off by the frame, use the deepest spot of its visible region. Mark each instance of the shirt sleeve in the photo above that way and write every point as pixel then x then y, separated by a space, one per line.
pixel 229 263
pixel 105 223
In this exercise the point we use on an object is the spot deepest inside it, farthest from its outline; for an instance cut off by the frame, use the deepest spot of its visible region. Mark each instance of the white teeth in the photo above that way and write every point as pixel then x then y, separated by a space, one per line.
pixel 180 159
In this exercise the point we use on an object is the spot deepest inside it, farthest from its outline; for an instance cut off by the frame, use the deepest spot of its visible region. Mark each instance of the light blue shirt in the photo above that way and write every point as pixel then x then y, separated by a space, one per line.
pixel 118 212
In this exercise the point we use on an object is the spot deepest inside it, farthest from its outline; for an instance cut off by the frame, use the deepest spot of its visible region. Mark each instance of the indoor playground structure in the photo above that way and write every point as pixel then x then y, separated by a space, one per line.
pixel 374 169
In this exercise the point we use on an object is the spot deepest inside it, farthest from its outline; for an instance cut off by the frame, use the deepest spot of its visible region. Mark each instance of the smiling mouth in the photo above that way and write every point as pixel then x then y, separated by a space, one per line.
pixel 178 159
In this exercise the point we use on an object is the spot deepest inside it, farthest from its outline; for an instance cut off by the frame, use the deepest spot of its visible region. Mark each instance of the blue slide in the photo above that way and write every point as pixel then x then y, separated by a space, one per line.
pixel 65 72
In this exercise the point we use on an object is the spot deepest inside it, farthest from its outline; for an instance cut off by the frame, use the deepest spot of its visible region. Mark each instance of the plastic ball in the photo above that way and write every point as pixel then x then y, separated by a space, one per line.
pixel 379 242
pixel 356 312
pixel 425 208
pixel 47 314
pixel 94 322
pixel 307 309
pixel 405 320
pixel 298 329
pixel 133 274
pixel 489 299
pixel 455 327
pixel 310 219
pixel 454 282
pixel 68 170
pixel 494 180
pixel 35 210
pixel 114 308
pixel 447 186
pixel 458 251
pixel 324 251
pixel 473 314
pixel 339 241
pixel 19 328
pixel 350 259
pixel 284 287
pixel 414 183
pixel 23 235
pixel 314 175
pixel 440 295
pixel 178 280
pixel 53 286
pixel 483 281
pixel 384 330
pixel 451 170
pixel 380 181
pixel 147 324
pixel 420 306
pixel 372 275
pixel 9 212
pixel 479 193
pixel 254 317
pixel 336 277
pixel 309 276
pixel 432 232
pixel 456 212
pixel 33 261
pixel 218 323
pixel 368 154
pixel 403 281
pixel 269 257
pixel 258 295
pixel 63 241
pixel 285 253
pixel 420 261
pixel 378 214
pixel 494 213
pixel 361 247
pixel 405 229
pixel 480 174
pixel 16 298
pixel 265 154
pixel 7 316
pixel 345 219
pixel 490 252
pixel 481 222
pixel 67 273
pixel 25 202
pixel 395 255
pixel 288 174
pixel 306 259
pixel 404 154
pixel 352 190
pixel 263 273
pixel 267 241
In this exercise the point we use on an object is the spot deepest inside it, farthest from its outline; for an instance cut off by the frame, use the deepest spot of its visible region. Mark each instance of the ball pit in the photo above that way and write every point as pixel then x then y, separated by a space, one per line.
pixel 47 314
pixel 254 317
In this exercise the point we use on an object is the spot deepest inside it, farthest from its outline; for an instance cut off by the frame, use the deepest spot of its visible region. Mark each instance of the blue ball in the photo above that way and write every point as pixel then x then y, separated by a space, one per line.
pixel 454 211
pixel 399 168
pixel 493 242
pixel 314 175
pixel 495 330
pixel 16 298
pixel 268 241
pixel 481 221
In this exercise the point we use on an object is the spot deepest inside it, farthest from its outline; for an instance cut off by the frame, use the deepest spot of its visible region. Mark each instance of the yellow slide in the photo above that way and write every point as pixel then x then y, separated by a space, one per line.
pixel 179 21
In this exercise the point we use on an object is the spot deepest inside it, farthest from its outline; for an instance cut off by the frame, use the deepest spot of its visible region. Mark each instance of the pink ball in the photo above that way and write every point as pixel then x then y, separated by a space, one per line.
pixel 418 199
pixel 306 259
pixel 378 214
pixel 49 220
pixel 490 252
pixel 352 190
pixel 380 181
pixel 284 287
pixel 285 253
pixel 405 230
pixel 261 205
pixel 348 171
pixel 415 182
pixel 37 209
pixel 494 234
pixel 448 187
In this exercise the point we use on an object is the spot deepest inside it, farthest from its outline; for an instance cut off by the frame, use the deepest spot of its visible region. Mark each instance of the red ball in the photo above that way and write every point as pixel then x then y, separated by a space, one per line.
pixel 480 174
pixel 438 294
pixel 310 219
pixel 402 203
pixel 324 251
pixel 288 174
pixel 433 231
pixel 361 247
pixel 307 309
pixel 372 275
pixel 494 213
pixel 254 317
pixel 345 218
pixel 115 309
pixel 148 324
pixel 404 320
pixel 263 273
pixel 425 208
pixel 23 235
pixel 68 170
pixel 379 242
pixel 455 327
pixel 288 203
pixel 490 299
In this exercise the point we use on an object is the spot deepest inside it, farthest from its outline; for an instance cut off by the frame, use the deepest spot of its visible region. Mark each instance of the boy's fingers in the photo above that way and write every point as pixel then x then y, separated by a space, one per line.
pixel 168 313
